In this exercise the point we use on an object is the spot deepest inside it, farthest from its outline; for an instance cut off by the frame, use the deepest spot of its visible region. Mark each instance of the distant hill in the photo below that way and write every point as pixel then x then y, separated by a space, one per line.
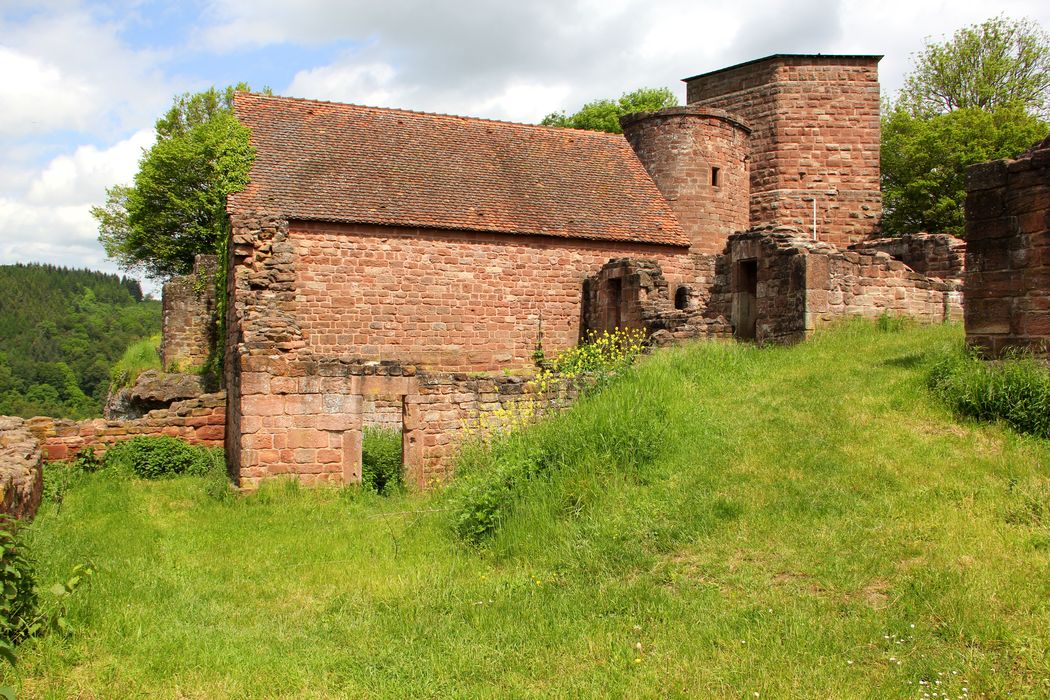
pixel 60 332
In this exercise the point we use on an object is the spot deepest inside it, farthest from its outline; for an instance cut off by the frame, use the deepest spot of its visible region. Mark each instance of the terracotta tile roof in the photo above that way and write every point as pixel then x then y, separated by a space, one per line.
pixel 322 161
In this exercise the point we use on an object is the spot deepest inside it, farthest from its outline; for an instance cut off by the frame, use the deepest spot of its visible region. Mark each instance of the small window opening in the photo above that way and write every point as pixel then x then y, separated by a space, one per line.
pixel 613 303
pixel 681 298
pixel 715 177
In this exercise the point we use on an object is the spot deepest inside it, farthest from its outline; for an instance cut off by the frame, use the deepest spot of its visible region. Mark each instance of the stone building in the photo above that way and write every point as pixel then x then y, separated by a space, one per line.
pixel 382 257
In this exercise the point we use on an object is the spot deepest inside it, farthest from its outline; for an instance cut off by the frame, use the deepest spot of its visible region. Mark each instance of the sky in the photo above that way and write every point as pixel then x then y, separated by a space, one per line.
pixel 83 82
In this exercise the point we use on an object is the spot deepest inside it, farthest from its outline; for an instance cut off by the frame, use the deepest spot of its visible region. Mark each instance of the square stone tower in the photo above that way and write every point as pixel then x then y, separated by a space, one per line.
pixel 815 139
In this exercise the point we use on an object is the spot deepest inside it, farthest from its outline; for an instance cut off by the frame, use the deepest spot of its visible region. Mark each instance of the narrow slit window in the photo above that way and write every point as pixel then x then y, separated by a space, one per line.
pixel 715 177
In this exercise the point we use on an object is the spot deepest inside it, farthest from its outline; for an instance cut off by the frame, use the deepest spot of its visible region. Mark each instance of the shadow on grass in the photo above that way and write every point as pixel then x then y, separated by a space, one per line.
pixel 906 361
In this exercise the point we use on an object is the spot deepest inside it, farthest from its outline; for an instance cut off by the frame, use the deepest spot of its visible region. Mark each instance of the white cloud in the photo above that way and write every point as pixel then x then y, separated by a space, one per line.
pixel 51 221
pixel 72 72
pixel 36 97
pixel 63 235
pixel 71 84
pixel 525 102
pixel 83 176
pixel 345 81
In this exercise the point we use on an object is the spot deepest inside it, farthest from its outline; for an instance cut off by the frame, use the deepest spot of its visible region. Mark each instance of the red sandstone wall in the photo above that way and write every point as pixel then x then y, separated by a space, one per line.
pixel 680 147
pixel 803 285
pixel 932 254
pixel 1008 253
pixel 816 133
pixel 199 421
pixel 21 469
pixel 445 300
pixel 322 316
pixel 187 322
pixel 304 418
pixel 872 285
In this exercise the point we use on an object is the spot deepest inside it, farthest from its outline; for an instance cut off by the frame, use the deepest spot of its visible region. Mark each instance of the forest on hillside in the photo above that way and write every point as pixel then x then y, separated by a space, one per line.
pixel 62 331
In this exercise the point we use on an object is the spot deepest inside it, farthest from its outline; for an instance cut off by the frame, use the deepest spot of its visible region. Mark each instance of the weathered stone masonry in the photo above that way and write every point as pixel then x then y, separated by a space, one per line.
pixel 1008 253
pixel 446 300
pixel 698 157
pixel 188 329
pixel 377 255
pixel 198 421
pixel 21 469
pixel 770 286
pixel 816 134
pixel 304 418
pixel 299 387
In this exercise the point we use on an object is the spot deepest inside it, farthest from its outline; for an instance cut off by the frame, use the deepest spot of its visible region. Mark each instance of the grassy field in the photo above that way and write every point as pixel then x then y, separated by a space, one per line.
pixel 724 522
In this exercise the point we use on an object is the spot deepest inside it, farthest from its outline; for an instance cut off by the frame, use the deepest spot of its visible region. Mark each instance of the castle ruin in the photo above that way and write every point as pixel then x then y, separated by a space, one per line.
pixel 402 260
pixel 401 269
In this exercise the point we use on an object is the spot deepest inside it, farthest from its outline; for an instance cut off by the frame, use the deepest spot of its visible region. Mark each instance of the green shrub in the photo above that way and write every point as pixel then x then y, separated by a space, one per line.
pixel 487 493
pixel 1015 390
pixel 157 457
pixel 381 461
pixel 18 600
pixel 87 461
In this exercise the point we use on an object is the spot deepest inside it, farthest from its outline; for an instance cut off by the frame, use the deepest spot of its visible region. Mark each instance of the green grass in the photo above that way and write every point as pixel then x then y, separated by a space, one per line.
pixel 1015 390
pixel 811 522
pixel 381 461
pixel 137 358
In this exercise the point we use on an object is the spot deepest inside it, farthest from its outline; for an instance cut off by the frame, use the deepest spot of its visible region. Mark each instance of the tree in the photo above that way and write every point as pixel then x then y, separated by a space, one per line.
pixel 175 208
pixel 924 161
pixel 994 64
pixel 604 115
pixel 975 98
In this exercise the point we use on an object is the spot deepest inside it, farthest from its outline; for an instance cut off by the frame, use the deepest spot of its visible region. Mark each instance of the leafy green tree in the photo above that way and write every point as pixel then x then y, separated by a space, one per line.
pixel 978 97
pixel 1001 62
pixel 176 206
pixel 604 115
pixel 924 161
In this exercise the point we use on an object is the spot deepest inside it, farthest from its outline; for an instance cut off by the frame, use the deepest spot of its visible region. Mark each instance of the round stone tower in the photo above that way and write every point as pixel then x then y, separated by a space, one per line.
pixel 698 158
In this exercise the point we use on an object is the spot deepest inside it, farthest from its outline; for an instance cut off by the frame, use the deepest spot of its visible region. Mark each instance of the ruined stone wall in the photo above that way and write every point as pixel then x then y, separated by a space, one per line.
pixel 816 134
pixel 625 293
pixel 633 293
pixel 445 300
pixel 779 303
pixel 802 285
pixel 933 254
pixel 453 407
pixel 198 421
pixel 304 418
pixel 298 376
pixel 21 469
pixel 188 326
pixel 872 285
pixel 698 158
pixel 1008 253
